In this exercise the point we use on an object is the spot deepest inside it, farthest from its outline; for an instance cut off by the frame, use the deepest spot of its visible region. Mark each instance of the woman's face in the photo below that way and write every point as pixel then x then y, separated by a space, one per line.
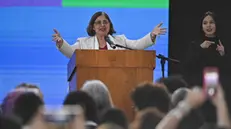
pixel 101 26
pixel 209 26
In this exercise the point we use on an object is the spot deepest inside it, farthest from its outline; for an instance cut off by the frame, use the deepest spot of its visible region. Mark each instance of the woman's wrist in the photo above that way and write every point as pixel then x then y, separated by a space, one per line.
pixel 59 43
pixel 182 109
pixel 153 37
pixel 184 106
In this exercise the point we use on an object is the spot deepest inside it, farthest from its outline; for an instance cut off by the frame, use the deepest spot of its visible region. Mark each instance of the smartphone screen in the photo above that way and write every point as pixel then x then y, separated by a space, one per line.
pixel 211 80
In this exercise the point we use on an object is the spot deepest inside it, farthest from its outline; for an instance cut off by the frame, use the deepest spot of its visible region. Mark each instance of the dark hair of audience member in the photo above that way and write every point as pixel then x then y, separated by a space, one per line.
pixel 115 116
pixel 8 123
pixel 209 126
pixel 26 106
pixel 30 86
pixel 173 82
pixel 85 101
pixel 150 118
pixel 148 95
pixel 8 103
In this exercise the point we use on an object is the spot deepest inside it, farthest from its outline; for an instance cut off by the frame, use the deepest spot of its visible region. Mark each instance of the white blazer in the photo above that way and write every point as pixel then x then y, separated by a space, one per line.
pixel 92 43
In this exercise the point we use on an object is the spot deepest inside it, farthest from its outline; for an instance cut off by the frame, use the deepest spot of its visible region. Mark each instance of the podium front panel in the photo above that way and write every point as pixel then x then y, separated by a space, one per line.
pixel 120 70
pixel 120 82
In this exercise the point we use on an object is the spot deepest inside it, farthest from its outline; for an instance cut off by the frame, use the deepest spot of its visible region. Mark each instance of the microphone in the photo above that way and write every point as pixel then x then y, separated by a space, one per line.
pixel 110 42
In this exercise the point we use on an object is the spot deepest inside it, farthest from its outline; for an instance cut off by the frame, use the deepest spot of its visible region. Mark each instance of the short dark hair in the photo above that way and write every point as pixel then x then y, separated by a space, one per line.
pixel 85 101
pixel 26 106
pixel 9 123
pixel 150 118
pixel 173 82
pixel 90 26
pixel 148 95
pixel 8 102
pixel 115 116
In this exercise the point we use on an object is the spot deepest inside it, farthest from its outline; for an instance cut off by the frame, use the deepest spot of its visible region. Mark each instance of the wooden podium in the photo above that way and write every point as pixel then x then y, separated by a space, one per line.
pixel 120 70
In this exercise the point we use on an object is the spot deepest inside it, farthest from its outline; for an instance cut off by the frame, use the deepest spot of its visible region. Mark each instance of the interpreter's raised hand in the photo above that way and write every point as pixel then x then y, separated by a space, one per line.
pixel 206 44
pixel 57 38
pixel 158 30
pixel 220 48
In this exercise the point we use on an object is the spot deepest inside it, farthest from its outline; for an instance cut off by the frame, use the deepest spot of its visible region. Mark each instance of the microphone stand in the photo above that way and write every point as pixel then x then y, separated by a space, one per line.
pixel 117 45
pixel 113 45
pixel 163 59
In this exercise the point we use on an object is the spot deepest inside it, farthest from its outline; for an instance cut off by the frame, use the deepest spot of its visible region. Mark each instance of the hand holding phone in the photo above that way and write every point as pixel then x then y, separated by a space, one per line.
pixel 210 80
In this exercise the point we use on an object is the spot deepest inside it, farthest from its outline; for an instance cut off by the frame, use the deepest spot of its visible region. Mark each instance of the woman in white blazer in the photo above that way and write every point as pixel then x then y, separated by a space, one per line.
pixel 99 27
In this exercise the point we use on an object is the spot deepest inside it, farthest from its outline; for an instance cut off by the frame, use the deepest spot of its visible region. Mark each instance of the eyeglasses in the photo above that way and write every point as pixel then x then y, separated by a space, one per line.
pixel 104 22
